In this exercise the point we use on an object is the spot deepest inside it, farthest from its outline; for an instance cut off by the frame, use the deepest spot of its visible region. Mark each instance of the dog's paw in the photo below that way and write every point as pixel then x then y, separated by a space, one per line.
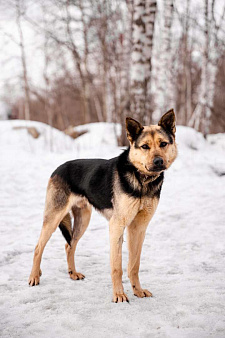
pixel 34 279
pixel 76 275
pixel 141 293
pixel 120 297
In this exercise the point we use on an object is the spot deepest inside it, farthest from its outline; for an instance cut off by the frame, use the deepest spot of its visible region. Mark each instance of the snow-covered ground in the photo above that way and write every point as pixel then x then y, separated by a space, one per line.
pixel 183 260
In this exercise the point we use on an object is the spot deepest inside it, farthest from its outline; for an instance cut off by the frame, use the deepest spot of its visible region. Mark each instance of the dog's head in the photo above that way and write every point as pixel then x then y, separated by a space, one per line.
pixel 152 148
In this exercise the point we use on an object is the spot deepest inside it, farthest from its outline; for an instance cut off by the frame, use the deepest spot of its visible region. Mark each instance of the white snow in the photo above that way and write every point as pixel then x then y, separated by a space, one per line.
pixel 217 140
pixel 102 134
pixel 183 254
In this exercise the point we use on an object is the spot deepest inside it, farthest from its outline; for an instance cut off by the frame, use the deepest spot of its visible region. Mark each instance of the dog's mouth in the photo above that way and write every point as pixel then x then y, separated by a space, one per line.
pixel 152 174
pixel 157 169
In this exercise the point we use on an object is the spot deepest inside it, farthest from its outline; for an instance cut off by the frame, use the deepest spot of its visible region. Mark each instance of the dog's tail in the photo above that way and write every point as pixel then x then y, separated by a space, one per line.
pixel 66 227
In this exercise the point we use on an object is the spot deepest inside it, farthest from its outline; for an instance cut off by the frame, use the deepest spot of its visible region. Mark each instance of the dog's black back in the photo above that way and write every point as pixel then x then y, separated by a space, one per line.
pixel 94 178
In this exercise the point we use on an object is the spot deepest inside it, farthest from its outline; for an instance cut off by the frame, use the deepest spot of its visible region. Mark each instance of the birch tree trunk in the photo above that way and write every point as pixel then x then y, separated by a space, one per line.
pixel 85 78
pixel 184 91
pixel 138 64
pixel 165 90
pixel 23 60
pixel 203 111
pixel 78 61
pixel 103 32
pixel 187 66
pixel 204 104
pixel 150 14
pixel 143 32
pixel 47 91
pixel 125 81
pixel 212 68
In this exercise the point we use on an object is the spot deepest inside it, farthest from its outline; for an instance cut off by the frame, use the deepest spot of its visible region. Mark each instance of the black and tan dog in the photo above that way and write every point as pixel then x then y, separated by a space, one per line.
pixel 125 189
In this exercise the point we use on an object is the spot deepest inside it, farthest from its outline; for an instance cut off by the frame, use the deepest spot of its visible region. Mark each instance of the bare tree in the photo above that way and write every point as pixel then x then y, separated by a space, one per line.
pixel 201 116
pixel 183 74
pixel 202 111
pixel 187 85
pixel 19 14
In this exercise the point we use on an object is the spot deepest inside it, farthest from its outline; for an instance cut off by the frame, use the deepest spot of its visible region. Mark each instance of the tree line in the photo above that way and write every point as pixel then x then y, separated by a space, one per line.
pixel 107 59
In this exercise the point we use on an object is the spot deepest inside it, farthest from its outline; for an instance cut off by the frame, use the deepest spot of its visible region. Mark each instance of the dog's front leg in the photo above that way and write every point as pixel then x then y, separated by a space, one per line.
pixel 116 231
pixel 135 238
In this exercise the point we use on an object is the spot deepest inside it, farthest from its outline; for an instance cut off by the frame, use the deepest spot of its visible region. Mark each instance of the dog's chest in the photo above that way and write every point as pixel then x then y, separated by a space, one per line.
pixel 148 204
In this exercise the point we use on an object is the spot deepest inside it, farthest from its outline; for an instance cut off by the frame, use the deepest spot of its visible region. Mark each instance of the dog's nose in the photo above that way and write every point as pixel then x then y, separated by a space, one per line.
pixel 158 161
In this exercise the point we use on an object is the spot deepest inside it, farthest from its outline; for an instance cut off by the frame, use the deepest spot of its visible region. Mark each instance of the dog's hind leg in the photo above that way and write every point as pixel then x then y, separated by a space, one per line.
pixel 81 221
pixel 50 224
pixel 56 208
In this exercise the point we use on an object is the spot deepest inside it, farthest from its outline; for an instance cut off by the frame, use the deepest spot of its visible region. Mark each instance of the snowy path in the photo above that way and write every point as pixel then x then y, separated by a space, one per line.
pixel 182 262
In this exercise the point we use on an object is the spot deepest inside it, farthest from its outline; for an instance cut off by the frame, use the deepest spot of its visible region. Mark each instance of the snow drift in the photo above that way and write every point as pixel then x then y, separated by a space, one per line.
pixel 183 254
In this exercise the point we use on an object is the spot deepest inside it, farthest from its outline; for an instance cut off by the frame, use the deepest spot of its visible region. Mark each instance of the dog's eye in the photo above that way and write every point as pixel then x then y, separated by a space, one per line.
pixel 163 144
pixel 145 146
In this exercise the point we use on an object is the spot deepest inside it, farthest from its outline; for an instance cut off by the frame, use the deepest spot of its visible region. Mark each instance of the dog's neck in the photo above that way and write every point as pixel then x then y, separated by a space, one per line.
pixel 145 179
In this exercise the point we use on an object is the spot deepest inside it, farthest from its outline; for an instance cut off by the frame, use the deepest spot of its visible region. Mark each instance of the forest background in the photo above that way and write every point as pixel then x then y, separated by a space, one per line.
pixel 70 62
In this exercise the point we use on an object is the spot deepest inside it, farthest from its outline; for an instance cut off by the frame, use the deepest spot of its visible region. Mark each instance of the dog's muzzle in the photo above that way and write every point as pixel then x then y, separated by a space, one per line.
pixel 158 165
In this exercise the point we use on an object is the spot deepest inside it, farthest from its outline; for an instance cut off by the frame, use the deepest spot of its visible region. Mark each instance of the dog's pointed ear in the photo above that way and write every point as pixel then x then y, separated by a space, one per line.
pixel 133 128
pixel 168 122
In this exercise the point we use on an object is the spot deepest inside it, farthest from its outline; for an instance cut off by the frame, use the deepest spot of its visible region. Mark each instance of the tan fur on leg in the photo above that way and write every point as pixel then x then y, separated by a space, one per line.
pixel 135 238
pixel 58 203
pixel 124 212
pixel 116 240
pixel 47 230
pixel 81 221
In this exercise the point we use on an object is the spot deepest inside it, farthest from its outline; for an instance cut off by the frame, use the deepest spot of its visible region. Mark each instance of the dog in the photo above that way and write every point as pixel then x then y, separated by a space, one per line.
pixel 125 189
